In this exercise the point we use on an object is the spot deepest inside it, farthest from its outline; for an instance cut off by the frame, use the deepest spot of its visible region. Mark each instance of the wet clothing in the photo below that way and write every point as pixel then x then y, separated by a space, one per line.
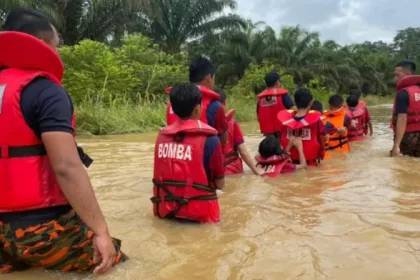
pixel 401 102
pixel 63 244
pixel 216 117
pixel 410 144
pixel 213 159
pixel 233 162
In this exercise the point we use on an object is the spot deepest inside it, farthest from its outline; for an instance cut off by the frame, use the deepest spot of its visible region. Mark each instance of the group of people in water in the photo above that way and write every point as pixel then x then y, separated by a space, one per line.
pixel 201 144
pixel 49 215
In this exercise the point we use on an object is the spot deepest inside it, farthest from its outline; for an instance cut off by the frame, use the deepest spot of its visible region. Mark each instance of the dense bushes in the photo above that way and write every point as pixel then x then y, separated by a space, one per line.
pixel 121 90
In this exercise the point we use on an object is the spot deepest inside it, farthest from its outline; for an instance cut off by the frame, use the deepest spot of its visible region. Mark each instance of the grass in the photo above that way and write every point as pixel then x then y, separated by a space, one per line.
pixel 96 118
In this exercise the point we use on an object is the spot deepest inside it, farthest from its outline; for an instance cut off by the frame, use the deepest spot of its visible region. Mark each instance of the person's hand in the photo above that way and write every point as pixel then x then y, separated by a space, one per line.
pixel 297 142
pixel 104 250
pixel 395 152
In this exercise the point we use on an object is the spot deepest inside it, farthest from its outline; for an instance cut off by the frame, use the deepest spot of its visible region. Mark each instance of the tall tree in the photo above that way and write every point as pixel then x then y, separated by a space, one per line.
pixel 174 23
pixel 81 19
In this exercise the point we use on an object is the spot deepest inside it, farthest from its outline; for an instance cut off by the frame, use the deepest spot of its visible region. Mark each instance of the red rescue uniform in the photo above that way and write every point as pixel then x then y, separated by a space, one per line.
pixel 306 128
pixel 181 187
pixel 207 96
pixel 26 177
pixel 233 162
pixel 275 165
pixel 270 103
pixel 410 85
pixel 357 116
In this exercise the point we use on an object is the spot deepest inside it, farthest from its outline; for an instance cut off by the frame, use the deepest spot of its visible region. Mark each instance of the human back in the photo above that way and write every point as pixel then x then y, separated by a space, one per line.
pixel 37 127
pixel 188 165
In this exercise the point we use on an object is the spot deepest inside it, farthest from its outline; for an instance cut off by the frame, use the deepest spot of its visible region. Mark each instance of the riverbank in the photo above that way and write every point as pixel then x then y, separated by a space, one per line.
pixel 100 119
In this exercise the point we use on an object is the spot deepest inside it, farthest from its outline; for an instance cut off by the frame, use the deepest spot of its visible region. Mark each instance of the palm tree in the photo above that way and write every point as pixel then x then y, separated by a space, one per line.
pixel 81 19
pixel 174 23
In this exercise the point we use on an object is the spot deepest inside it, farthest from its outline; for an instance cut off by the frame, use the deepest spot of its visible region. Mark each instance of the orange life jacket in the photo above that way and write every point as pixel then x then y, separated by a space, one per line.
pixel 337 142
pixel 327 154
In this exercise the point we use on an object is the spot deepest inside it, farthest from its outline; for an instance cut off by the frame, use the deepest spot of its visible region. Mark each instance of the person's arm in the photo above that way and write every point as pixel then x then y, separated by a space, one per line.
pixel 369 121
pixel 216 117
pixel 288 102
pixel 54 123
pixel 297 142
pixel 401 109
pixel 243 151
pixel 214 162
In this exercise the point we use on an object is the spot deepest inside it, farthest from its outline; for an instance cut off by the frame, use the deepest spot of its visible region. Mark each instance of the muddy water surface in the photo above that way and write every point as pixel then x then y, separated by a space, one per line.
pixel 355 217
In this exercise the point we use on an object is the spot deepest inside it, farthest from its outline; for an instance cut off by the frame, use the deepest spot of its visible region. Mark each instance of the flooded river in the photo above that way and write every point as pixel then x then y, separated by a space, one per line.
pixel 355 217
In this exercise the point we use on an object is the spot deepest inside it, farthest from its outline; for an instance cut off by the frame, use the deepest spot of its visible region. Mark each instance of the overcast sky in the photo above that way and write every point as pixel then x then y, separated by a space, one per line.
pixel 345 21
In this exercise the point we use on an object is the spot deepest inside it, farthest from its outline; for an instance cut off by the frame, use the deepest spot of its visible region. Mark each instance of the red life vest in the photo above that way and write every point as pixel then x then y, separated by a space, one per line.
pixel 26 178
pixel 181 188
pixel 361 105
pixel 272 165
pixel 233 162
pixel 307 129
pixel 411 85
pixel 270 103
pixel 357 116
pixel 208 96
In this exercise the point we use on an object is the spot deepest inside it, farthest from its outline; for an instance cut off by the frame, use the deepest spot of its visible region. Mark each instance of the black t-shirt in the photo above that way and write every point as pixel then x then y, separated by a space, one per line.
pixel 402 102
pixel 46 107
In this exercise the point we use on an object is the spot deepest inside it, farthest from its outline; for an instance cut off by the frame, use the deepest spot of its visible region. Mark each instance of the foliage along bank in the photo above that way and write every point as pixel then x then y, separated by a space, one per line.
pixel 120 90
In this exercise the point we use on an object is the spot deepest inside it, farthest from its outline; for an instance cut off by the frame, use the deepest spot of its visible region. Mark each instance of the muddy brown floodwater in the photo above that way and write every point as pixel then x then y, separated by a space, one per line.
pixel 355 217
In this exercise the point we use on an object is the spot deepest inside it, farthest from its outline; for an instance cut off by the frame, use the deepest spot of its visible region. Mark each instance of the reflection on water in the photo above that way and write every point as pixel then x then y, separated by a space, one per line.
pixel 355 217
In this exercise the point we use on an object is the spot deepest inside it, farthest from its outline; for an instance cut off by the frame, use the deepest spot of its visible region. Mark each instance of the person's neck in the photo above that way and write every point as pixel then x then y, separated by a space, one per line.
pixel 336 109
pixel 301 112
pixel 202 85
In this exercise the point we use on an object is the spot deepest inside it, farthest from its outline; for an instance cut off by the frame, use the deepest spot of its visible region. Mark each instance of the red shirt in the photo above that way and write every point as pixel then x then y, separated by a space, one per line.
pixel 237 134
pixel 289 167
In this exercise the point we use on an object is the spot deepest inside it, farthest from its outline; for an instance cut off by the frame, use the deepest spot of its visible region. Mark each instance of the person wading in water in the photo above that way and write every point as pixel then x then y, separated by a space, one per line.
pixel 49 215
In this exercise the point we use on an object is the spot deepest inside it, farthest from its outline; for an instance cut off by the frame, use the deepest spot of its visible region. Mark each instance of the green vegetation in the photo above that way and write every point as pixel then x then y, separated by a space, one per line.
pixel 120 55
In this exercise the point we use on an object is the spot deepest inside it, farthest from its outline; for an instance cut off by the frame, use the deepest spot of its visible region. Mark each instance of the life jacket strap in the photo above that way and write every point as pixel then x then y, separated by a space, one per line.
pixel 171 197
pixel 340 145
pixel 229 158
pixel 37 151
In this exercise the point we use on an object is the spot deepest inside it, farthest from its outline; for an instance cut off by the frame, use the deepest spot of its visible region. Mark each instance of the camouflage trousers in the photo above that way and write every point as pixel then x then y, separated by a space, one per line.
pixel 62 245
pixel 410 144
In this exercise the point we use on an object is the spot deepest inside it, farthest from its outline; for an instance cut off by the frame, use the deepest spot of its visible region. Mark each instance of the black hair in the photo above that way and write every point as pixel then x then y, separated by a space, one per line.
pixel 408 65
pixel 200 68
pixel 317 106
pixel 336 101
pixel 184 98
pixel 352 101
pixel 356 92
pixel 303 98
pixel 271 79
pixel 28 21
pixel 270 146
pixel 222 94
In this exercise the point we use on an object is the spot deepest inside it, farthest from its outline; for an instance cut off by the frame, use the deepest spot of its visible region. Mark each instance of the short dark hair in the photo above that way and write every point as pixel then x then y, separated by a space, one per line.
pixel 303 98
pixel 336 101
pixel 184 98
pixel 200 68
pixel 28 21
pixel 352 101
pixel 270 146
pixel 408 65
pixel 271 79
pixel 317 106
pixel 356 92
pixel 222 94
